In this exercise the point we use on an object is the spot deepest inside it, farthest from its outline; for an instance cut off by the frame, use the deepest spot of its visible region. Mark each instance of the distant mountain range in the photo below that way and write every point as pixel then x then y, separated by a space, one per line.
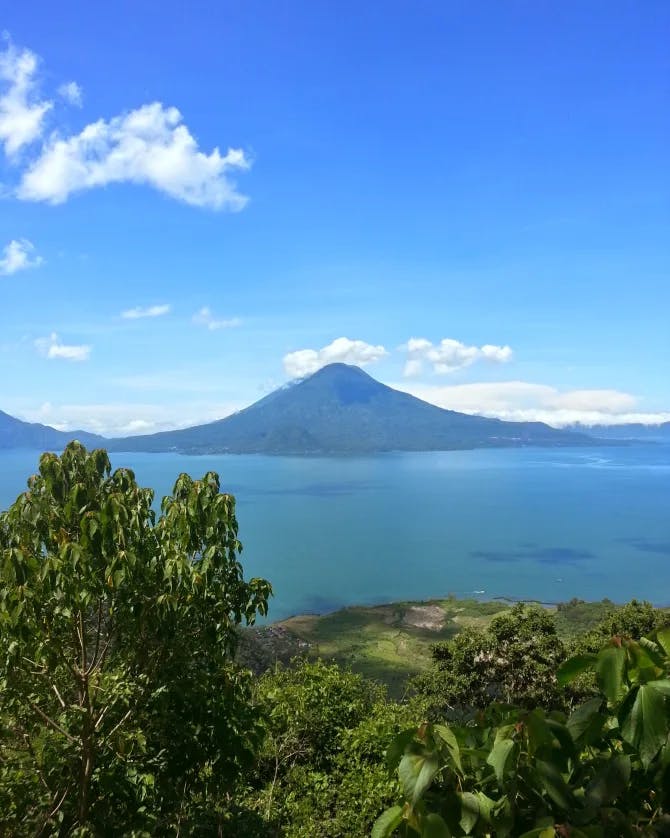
pixel 338 410
pixel 632 431
pixel 17 434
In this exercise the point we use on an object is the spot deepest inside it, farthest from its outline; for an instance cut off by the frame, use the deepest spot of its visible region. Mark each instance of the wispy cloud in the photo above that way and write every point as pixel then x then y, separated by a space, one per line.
pixel 204 317
pixel 149 311
pixel 21 111
pixel 51 347
pixel 126 418
pixel 523 401
pixel 72 93
pixel 450 355
pixel 342 350
pixel 18 255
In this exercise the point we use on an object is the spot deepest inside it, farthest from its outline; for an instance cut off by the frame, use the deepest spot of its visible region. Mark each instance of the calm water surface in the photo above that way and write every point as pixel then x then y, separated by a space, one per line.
pixel 548 524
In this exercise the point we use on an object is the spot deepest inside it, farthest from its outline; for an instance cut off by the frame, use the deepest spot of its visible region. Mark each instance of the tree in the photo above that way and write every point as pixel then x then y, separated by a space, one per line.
pixel 122 707
pixel 321 770
pixel 513 661
pixel 634 620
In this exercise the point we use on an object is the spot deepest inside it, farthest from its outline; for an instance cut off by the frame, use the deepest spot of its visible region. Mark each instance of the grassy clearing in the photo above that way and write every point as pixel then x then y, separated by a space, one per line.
pixel 391 643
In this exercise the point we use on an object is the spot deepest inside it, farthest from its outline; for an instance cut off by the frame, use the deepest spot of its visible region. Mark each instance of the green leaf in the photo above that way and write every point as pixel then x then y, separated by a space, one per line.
pixel 469 812
pixel 398 747
pixel 434 827
pixel 539 733
pixel 642 663
pixel 610 781
pixel 448 737
pixel 562 737
pixel 489 808
pixel 662 686
pixel 554 784
pixel 644 722
pixel 416 772
pixel 540 832
pixel 586 721
pixel 654 651
pixel 610 670
pixel 662 637
pixel 574 667
pixel 387 822
pixel 499 757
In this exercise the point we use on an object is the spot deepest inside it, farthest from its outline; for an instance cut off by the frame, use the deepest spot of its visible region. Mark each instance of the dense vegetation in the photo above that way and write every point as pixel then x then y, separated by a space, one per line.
pixel 125 710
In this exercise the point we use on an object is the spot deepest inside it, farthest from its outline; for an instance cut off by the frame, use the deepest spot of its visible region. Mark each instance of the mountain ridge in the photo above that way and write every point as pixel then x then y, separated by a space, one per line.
pixel 341 409
pixel 15 433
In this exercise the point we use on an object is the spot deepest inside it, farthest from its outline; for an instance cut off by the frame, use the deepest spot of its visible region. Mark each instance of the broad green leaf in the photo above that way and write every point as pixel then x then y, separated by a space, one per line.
pixel 398 747
pixel 662 686
pixel 505 732
pixel 641 664
pixel 610 781
pixel 554 784
pixel 586 720
pixel 654 651
pixel 448 737
pixel 574 667
pixel 610 670
pixel 387 822
pixel 562 736
pixel 499 757
pixel 487 807
pixel 539 733
pixel 663 639
pixel 416 772
pixel 644 722
pixel 433 826
pixel 469 811
pixel 540 832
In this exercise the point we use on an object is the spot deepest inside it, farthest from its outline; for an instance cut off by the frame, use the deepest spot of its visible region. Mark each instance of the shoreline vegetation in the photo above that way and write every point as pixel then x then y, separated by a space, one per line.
pixel 391 643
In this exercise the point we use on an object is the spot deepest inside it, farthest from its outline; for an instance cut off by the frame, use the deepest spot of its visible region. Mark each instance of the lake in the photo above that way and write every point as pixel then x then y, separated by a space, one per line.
pixel 547 524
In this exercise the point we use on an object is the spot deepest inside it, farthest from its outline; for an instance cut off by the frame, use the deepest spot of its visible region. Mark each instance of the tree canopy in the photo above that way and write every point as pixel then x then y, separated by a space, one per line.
pixel 121 700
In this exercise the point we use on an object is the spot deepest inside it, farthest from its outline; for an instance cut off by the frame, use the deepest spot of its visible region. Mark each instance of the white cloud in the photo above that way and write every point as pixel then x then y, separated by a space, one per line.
pixel 149 145
pixel 449 355
pixel 72 93
pixel 523 401
pixel 21 112
pixel 52 348
pixel 342 350
pixel 149 311
pixel 122 419
pixel 205 318
pixel 18 255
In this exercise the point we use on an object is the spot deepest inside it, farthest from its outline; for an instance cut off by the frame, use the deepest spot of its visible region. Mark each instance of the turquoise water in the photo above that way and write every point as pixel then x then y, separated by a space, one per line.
pixel 548 524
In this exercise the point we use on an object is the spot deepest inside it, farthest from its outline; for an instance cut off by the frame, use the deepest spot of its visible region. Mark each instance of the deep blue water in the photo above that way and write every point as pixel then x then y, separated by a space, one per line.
pixel 548 524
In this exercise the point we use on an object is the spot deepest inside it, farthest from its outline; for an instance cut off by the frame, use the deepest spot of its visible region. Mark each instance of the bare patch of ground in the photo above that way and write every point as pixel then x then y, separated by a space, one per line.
pixel 429 617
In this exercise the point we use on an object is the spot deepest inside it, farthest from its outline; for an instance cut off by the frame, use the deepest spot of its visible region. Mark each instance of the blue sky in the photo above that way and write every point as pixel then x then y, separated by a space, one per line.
pixel 471 199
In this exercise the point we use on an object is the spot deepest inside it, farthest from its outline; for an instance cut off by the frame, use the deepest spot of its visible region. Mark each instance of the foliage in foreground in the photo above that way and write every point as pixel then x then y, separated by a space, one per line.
pixel 601 771
pixel 321 769
pixel 122 708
